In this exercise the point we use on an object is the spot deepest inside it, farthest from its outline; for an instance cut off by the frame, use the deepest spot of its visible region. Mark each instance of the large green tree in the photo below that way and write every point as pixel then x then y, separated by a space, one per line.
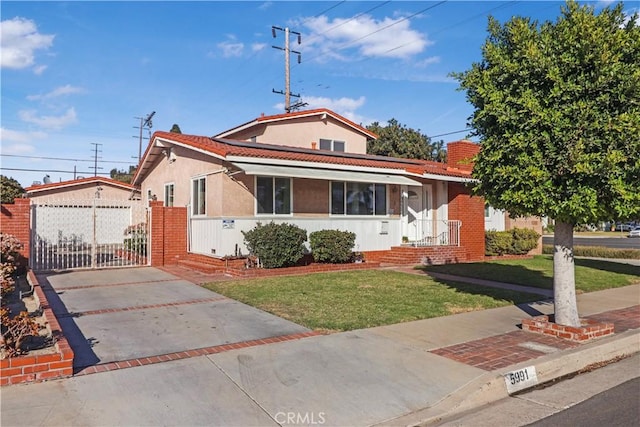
pixel 398 140
pixel 10 189
pixel 557 109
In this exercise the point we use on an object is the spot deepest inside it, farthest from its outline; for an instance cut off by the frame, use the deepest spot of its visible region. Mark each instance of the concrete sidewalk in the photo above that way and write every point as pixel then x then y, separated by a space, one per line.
pixel 404 374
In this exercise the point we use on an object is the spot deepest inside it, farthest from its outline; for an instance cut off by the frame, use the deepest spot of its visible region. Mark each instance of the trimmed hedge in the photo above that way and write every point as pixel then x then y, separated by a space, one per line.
pixel 518 241
pixel 332 246
pixel 276 245
pixel 598 252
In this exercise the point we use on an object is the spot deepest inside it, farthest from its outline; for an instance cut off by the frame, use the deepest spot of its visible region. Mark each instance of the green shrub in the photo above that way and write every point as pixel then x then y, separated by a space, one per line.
pixel 518 241
pixel 497 242
pixel 524 240
pixel 276 245
pixel 332 246
pixel 598 252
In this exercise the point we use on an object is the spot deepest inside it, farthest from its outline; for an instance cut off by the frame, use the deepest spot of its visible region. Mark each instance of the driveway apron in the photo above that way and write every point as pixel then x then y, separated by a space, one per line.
pixel 135 313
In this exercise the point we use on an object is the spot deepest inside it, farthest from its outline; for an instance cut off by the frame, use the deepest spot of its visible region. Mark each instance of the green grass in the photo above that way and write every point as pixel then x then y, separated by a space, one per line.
pixel 363 299
pixel 591 275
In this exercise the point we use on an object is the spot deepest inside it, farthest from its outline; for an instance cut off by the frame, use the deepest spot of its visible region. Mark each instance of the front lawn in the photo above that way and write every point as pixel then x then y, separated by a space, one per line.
pixel 362 299
pixel 591 275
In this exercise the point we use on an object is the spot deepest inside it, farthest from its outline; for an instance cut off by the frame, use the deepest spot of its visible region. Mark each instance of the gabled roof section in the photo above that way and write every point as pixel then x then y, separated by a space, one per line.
pixel 320 112
pixel 250 152
pixel 76 182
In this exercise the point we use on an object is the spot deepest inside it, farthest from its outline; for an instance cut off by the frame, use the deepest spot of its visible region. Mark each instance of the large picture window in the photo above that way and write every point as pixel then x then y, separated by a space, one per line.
pixel 273 195
pixel 358 198
pixel 198 196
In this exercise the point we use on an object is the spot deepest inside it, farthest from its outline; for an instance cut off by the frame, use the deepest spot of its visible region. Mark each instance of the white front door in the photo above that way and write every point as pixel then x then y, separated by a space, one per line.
pixel 417 224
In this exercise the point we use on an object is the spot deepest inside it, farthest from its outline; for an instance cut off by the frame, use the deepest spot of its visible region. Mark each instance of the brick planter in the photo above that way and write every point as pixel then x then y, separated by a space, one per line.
pixel 589 330
pixel 57 364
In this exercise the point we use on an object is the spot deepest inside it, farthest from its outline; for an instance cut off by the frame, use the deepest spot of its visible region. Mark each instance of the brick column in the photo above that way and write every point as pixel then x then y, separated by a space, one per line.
pixel 157 234
pixel 470 210
pixel 16 220
pixel 168 234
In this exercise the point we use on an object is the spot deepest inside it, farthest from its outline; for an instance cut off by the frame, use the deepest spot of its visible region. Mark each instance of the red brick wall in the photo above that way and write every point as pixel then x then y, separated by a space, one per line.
pixel 460 153
pixel 470 210
pixel 16 220
pixel 168 234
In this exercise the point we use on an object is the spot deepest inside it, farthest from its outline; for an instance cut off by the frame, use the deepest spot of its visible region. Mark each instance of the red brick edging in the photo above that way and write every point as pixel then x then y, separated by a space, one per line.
pixel 131 363
pixel 42 367
pixel 590 329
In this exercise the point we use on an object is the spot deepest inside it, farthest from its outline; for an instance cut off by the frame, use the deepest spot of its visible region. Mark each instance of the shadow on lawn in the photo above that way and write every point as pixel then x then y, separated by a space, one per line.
pixel 504 273
pixel 610 266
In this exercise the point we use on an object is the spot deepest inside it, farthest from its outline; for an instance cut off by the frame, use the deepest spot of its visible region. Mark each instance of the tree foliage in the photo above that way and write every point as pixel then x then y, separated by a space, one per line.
pixel 557 107
pixel 398 140
pixel 123 175
pixel 10 189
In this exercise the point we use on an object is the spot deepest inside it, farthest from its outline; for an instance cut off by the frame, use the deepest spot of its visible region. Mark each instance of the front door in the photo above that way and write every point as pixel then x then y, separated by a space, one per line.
pixel 417 218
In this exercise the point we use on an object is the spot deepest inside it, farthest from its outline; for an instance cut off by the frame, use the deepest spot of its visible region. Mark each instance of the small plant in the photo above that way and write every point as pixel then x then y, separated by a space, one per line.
pixel 16 330
pixel 497 242
pixel 9 247
pixel 276 245
pixel 332 246
pixel 136 240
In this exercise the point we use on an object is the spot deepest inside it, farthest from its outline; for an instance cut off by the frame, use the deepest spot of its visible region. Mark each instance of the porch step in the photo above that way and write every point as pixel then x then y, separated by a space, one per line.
pixel 409 255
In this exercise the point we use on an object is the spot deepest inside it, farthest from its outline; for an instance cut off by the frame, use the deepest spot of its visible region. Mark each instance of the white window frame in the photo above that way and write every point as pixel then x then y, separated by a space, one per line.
pixel 345 214
pixel 332 143
pixel 172 186
pixel 195 207
pixel 273 196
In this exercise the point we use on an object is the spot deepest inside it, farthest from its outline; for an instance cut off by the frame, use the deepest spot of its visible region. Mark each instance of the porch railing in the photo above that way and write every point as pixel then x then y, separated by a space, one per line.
pixel 437 233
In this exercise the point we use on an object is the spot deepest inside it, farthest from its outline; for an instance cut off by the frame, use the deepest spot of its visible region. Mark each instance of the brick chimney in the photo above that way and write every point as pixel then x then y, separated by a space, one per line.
pixel 460 154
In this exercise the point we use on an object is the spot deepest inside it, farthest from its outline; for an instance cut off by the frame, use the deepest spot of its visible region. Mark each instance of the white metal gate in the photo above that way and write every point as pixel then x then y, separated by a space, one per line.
pixel 88 234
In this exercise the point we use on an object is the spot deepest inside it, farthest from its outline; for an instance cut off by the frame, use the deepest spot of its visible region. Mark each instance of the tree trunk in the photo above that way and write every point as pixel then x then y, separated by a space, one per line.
pixel 564 281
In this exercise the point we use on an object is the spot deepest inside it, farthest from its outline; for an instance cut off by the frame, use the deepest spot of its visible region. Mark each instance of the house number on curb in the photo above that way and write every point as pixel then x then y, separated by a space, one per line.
pixel 521 379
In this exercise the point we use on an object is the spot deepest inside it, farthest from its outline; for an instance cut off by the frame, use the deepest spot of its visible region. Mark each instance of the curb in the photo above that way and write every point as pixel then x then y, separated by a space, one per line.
pixel 491 387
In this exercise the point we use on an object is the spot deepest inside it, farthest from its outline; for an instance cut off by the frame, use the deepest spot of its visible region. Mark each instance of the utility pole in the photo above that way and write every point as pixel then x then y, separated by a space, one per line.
pixel 95 166
pixel 145 122
pixel 287 81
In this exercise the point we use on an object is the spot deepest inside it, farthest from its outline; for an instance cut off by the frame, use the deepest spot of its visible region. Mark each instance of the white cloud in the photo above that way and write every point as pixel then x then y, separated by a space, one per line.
pixel 19 142
pixel 428 61
pixel 389 37
pixel 344 106
pixel 39 69
pixel 59 91
pixel 49 122
pixel 19 39
pixel 231 48
pixel 266 5
pixel 256 47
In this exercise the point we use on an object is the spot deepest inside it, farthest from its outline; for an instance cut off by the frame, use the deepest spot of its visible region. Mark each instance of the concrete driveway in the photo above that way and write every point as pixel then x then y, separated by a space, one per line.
pixel 136 313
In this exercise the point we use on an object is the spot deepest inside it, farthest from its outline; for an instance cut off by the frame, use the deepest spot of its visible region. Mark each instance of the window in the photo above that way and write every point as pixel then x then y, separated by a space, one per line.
pixel 198 196
pixel 487 213
pixel 331 145
pixel 168 194
pixel 273 195
pixel 358 198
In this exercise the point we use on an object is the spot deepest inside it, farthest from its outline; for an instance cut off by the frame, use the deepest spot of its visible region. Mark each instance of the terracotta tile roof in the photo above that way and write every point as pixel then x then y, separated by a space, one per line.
pixel 298 114
pixel 74 182
pixel 227 149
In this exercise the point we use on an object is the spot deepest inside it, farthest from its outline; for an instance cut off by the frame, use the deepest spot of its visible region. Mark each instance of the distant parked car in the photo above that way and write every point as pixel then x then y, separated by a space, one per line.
pixel 624 227
pixel 635 232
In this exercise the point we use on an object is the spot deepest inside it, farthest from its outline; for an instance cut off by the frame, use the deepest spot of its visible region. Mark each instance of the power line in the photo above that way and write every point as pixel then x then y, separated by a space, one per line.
pixel 49 170
pixel 450 133
pixel 64 159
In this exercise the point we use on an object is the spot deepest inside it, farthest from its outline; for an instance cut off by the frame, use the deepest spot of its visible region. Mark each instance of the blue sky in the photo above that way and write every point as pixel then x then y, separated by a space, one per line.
pixel 78 73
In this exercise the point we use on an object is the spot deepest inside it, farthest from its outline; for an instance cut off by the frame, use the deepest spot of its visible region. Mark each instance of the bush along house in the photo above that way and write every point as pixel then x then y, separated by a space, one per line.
pixel 310 168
